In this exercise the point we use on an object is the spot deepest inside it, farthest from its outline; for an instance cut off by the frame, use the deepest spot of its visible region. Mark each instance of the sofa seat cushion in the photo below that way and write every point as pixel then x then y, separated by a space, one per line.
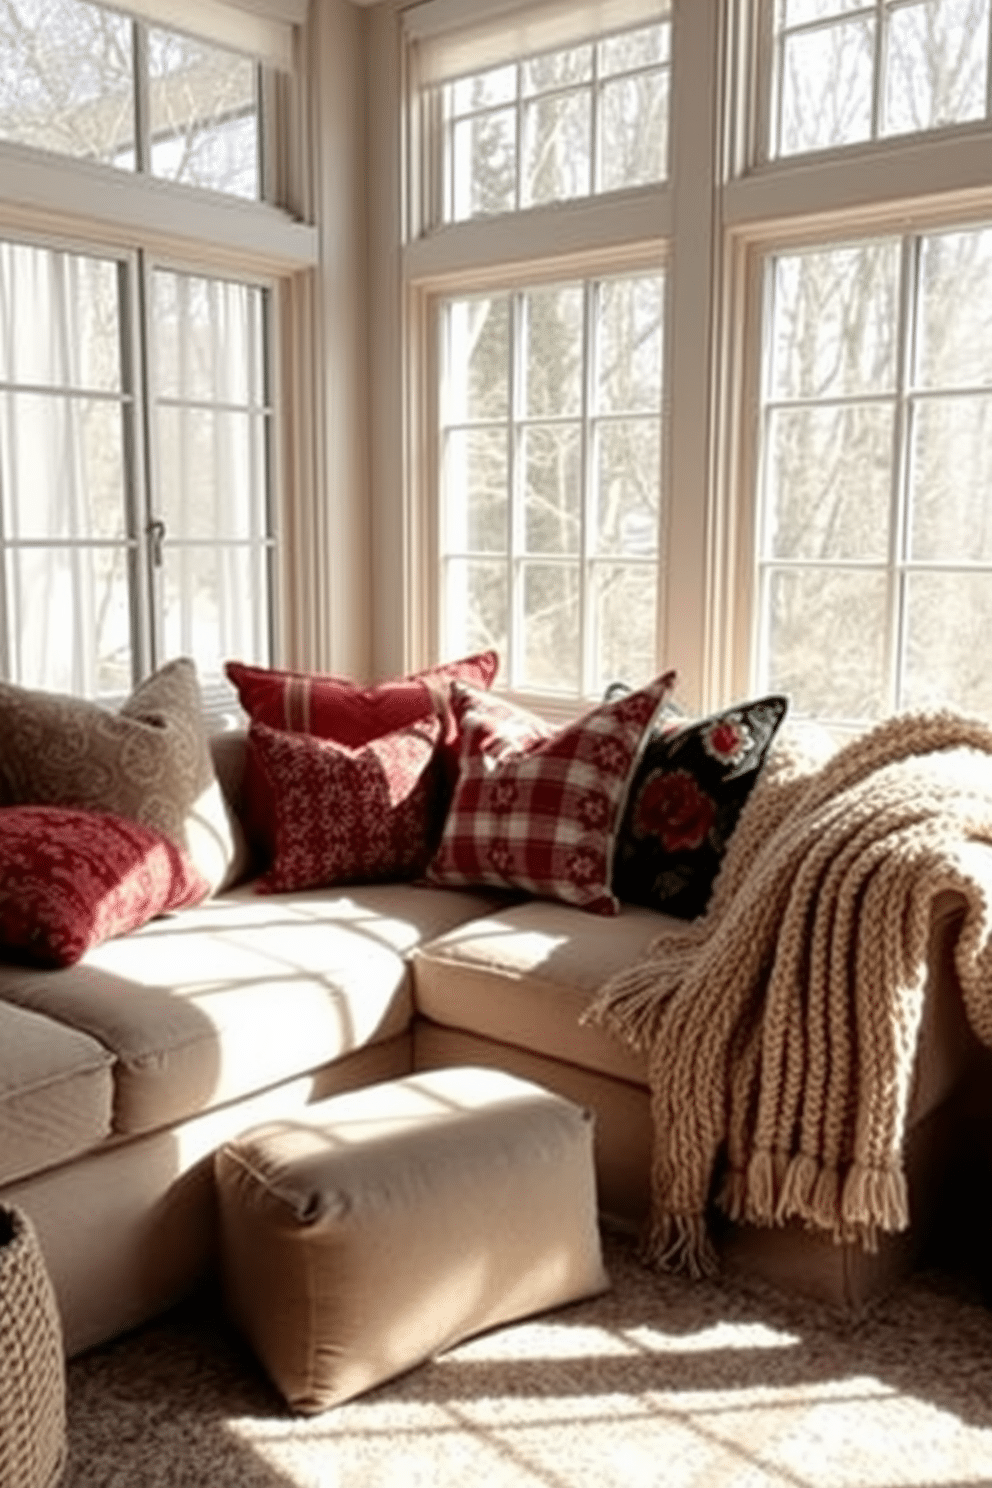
pixel 524 976
pixel 242 992
pixel 56 1092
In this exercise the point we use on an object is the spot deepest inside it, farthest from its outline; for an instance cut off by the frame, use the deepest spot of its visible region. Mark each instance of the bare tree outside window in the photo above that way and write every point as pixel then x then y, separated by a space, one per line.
pixel 848 71
pixel 563 125
pixel 67 85
pixel 876 541
pixel 551 479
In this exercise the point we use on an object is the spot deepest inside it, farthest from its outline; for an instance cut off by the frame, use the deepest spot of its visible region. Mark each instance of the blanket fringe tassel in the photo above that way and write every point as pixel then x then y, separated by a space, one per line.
pixel 680 1243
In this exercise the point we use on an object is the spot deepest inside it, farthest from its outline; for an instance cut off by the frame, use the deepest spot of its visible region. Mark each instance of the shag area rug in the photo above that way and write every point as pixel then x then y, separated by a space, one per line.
pixel 715 1384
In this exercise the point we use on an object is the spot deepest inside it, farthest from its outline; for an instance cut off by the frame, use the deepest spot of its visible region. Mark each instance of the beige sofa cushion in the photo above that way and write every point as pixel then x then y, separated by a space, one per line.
pixel 55 1093
pixel 524 976
pixel 245 990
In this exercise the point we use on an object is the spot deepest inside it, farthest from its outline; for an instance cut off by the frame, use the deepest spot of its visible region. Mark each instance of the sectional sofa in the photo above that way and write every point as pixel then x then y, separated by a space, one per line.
pixel 122 1073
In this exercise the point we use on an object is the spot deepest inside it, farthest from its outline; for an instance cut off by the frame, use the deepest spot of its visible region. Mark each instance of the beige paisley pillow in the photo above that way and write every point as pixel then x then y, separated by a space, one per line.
pixel 150 762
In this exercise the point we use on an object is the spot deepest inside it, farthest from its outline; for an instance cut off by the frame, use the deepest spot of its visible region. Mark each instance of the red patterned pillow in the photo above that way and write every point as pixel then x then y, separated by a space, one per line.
pixel 539 812
pixel 335 708
pixel 344 815
pixel 71 879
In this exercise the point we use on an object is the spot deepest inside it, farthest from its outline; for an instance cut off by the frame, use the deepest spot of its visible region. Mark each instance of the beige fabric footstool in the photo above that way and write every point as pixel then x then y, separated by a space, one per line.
pixel 389 1223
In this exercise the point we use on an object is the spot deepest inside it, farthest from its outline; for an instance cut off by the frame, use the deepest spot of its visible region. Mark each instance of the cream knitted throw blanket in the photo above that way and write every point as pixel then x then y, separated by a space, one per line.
pixel 781 1026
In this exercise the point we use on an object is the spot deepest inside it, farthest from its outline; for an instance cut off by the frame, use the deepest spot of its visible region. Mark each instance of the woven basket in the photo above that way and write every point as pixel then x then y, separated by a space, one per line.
pixel 32 1363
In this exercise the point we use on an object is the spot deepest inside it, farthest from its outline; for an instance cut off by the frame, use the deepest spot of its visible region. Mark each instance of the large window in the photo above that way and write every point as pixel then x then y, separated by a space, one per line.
pixel 136 414
pixel 876 544
pixel 845 71
pixel 548 420
pixel 551 478
pixel 566 123
pixel 795 218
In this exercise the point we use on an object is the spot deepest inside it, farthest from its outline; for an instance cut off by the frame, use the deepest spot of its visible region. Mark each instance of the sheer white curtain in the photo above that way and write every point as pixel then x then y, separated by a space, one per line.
pixel 63 411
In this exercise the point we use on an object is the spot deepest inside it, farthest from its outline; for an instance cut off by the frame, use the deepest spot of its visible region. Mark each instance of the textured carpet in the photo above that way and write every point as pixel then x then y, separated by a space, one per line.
pixel 661 1381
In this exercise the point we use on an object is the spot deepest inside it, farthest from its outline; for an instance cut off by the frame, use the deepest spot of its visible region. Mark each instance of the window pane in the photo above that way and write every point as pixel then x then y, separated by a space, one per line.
pixel 554 328
pixel 551 631
pixel 209 342
pixel 825 642
pixel 211 474
pixel 826 87
pixel 65 618
pixel 59 320
pixel 477 358
pixel 553 492
pixel 625 601
pixel 829 483
pixel 633 131
pixel 557 70
pixel 484 165
pixel 949 621
pixel 204 115
pixel 936 64
pixel 67 80
pixel 68 619
pixel 951 510
pixel 797 12
pixel 214 605
pixel 629 344
pixel 835 321
pixel 646 47
pixel 61 468
pixel 476 505
pixel 557 148
pixel 477 606
pixel 954 340
pixel 628 487
pixel 484 89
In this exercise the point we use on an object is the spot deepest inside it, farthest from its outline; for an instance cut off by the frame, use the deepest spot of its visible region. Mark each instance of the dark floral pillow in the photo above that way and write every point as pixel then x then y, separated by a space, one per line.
pixel 684 801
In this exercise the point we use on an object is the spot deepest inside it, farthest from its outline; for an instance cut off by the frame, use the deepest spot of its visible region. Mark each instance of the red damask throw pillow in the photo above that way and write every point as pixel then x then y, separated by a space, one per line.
pixel 71 879
pixel 538 811
pixel 343 815
pixel 336 708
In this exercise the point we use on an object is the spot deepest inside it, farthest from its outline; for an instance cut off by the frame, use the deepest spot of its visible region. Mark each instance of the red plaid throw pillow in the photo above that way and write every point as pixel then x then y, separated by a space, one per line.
pixel 536 810
pixel 345 815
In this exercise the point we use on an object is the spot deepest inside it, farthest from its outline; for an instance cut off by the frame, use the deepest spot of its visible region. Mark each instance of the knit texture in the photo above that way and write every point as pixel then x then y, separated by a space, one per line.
pixel 781 1027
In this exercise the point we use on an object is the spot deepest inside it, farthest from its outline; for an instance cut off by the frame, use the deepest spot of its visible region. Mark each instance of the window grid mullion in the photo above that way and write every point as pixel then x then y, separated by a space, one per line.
pixel 515 516
pixel 878 67
pixel 518 143
pixel 588 637
pixel 902 466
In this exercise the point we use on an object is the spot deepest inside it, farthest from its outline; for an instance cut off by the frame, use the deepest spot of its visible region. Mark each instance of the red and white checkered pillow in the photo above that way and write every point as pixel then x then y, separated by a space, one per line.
pixel 537 810
pixel 343 815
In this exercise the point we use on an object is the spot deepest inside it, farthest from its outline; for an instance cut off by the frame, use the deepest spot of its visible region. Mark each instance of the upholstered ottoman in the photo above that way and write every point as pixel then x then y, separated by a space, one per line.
pixel 389 1223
